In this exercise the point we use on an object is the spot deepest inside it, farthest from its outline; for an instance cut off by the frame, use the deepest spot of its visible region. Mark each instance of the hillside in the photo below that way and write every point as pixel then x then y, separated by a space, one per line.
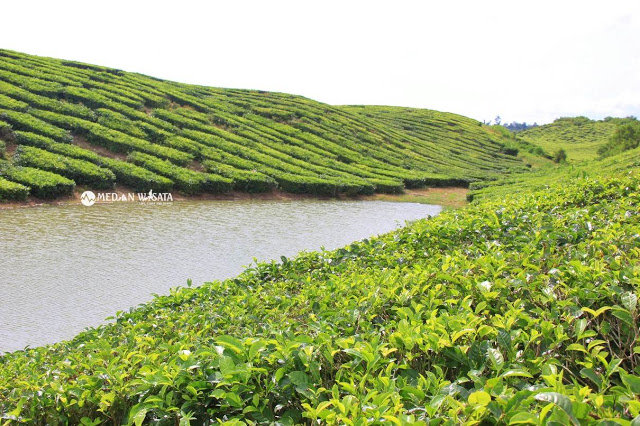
pixel 67 125
pixel 518 309
pixel 580 137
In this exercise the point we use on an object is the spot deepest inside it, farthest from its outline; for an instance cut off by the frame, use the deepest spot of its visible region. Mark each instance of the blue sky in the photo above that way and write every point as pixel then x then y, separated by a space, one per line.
pixel 525 60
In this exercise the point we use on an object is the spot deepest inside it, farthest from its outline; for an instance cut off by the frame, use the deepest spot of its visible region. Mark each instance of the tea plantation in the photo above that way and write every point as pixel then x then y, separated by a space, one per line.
pixel 521 308
pixel 580 137
pixel 103 127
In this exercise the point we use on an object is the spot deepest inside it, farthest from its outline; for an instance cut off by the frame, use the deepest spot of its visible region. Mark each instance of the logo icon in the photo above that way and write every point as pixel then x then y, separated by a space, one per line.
pixel 88 198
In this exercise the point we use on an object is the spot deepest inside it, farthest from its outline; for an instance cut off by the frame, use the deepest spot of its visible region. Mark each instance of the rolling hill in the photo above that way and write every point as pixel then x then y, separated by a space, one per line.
pixel 580 137
pixel 67 124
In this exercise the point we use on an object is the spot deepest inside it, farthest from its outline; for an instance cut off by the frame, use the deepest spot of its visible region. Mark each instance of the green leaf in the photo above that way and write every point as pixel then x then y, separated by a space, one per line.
pixel 523 418
pixel 230 342
pixel 590 374
pixel 504 340
pixel 632 382
pixel 139 414
pixel 234 400
pixel 481 398
pixel 496 357
pixel 623 315
pixel 299 379
pixel 255 348
pixel 597 313
pixel 576 347
pixel 561 401
pixel 629 301
pixel 516 373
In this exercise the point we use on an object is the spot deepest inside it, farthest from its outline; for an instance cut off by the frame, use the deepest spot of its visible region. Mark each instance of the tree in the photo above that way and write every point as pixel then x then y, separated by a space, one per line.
pixel 560 156
pixel 624 138
pixel 497 120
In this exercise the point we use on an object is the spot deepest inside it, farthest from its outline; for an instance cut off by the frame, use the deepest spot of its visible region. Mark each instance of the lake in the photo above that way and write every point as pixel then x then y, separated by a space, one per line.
pixel 65 268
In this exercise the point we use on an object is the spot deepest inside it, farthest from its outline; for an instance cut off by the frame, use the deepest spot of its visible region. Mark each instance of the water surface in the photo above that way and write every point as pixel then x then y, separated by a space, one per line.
pixel 68 267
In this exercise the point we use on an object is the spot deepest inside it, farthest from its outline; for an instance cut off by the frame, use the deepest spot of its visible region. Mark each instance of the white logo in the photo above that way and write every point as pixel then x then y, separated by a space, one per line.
pixel 88 198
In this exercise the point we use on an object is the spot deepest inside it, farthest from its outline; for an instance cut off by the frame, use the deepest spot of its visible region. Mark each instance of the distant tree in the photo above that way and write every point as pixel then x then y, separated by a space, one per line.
pixel 497 120
pixel 514 126
pixel 625 137
pixel 560 156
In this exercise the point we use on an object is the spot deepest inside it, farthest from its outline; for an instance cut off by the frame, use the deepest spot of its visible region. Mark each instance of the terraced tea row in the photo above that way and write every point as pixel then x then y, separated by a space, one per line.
pixel 249 140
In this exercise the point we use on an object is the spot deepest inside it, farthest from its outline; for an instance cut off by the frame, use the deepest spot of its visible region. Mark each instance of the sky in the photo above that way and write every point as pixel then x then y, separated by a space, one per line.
pixel 530 61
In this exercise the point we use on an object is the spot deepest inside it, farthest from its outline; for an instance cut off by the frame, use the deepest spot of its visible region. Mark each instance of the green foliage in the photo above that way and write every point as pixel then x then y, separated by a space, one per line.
pixel 514 311
pixel 8 103
pixel 580 137
pixel 134 177
pixel 560 156
pixel 50 104
pixel 33 139
pixel 137 178
pixel 542 177
pixel 243 180
pixel 625 137
pixel 113 140
pixel 187 181
pixel 255 138
pixel 26 122
pixel 12 191
pixel 82 172
pixel 42 184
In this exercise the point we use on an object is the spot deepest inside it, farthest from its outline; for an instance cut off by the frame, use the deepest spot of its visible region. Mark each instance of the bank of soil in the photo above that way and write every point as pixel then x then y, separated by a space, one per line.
pixel 451 197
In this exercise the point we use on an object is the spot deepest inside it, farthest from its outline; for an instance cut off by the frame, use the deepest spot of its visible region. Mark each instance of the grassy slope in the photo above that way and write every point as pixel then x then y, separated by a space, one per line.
pixel 254 139
pixel 578 136
pixel 521 308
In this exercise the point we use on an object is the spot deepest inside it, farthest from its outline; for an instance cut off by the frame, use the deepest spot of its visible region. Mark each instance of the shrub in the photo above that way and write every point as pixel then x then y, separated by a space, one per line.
pixel 112 139
pixel 137 178
pixel 243 180
pixel 128 174
pixel 12 191
pixel 387 186
pixel 116 121
pixel 36 101
pixel 33 139
pixel 186 180
pixel 9 103
pixel 560 156
pixel 42 184
pixel 624 138
pixel 81 171
pixel 24 121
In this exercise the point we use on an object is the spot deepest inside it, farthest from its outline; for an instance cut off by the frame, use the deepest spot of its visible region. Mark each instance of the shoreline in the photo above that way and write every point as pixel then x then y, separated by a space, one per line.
pixel 447 197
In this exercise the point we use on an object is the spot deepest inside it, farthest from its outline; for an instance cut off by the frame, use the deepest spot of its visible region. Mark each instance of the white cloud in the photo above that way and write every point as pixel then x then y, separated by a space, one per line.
pixel 530 61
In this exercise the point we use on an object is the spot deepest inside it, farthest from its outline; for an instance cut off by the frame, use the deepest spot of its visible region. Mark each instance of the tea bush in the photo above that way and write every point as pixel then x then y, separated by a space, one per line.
pixel 26 122
pixel 82 172
pixel 137 178
pixel 42 184
pixel 12 191
pixel 243 180
pixel 186 180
